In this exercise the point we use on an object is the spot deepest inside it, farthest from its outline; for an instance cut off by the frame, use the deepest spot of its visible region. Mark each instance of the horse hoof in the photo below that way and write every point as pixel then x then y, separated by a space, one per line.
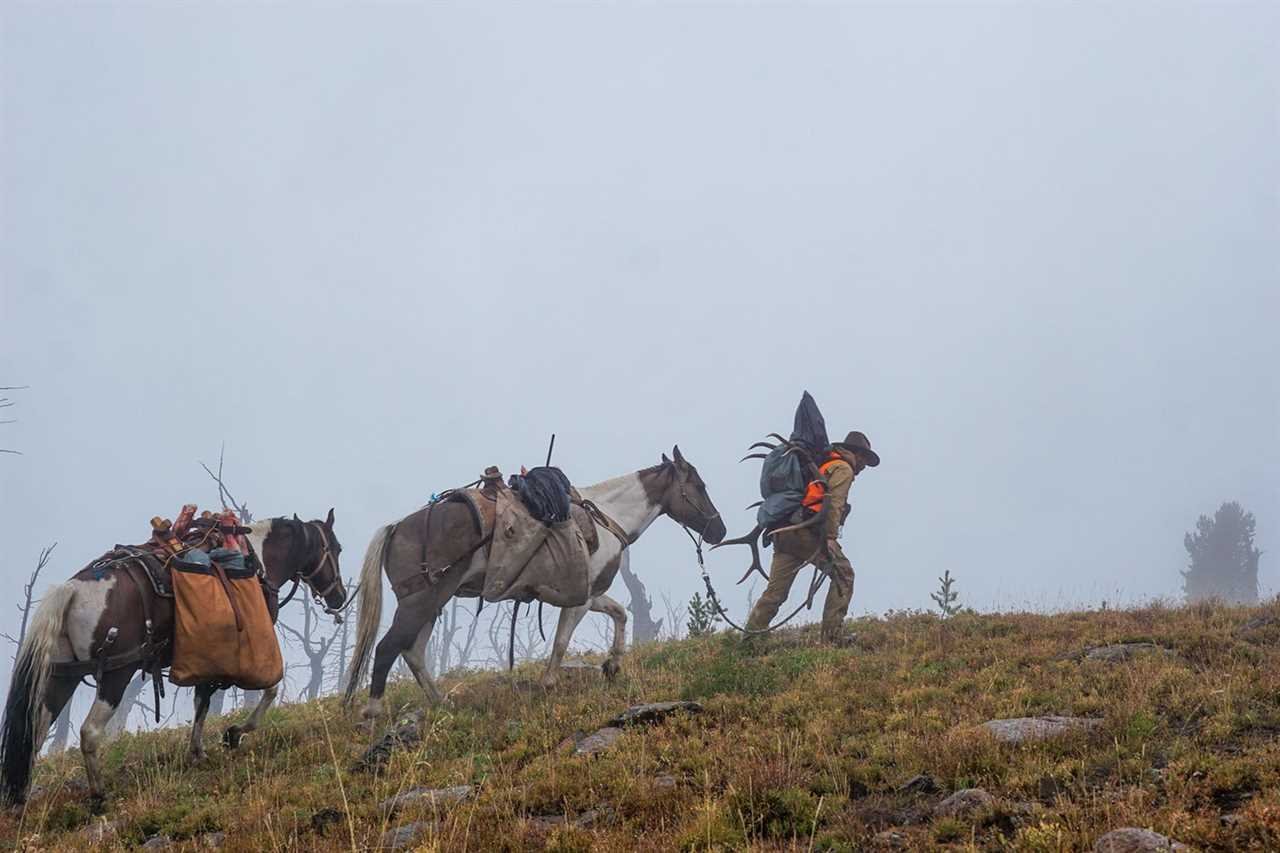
pixel 198 757
pixel 231 737
pixel 97 804
pixel 611 669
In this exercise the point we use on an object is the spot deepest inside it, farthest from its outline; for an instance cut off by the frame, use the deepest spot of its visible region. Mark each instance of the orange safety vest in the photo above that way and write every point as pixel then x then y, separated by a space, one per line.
pixel 816 492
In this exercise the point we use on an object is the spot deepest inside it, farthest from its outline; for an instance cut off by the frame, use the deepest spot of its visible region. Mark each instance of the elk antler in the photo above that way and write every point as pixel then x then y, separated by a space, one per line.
pixel 751 540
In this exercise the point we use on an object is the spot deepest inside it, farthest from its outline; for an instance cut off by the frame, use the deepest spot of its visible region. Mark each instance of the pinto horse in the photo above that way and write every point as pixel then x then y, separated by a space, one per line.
pixel 443 538
pixel 105 608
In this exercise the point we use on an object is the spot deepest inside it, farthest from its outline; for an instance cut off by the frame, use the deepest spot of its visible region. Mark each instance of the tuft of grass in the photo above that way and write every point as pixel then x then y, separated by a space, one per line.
pixel 800 746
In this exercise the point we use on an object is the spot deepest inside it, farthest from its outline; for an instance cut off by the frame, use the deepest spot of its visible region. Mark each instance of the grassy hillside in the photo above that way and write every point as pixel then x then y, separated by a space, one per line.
pixel 798 747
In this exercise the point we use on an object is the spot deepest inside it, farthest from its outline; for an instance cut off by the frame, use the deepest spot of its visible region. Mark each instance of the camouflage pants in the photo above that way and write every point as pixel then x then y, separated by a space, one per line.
pixel 782 574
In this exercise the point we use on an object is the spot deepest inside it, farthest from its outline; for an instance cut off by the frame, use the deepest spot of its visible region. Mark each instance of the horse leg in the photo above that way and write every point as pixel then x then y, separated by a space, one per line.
pixel 231 739
pixel 606 605
pixel 416 657
pixel 204 696
pixel 569 619
pixel 110 691
pixel 410 618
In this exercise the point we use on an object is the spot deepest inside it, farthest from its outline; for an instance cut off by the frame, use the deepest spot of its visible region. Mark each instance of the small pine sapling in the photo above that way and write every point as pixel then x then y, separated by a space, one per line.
pixel 702 616
pixel 946 597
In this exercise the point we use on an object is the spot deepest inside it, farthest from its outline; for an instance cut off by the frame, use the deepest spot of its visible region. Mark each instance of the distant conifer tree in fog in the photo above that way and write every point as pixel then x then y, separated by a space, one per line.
pixel 1224 561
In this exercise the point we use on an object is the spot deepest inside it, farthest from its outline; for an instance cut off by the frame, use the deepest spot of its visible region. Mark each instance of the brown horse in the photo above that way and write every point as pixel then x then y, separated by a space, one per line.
pixel 445 541
pixel 109 621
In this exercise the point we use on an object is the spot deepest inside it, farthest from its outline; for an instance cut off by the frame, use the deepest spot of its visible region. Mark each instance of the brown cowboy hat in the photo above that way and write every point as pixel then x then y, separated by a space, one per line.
pixel 856 442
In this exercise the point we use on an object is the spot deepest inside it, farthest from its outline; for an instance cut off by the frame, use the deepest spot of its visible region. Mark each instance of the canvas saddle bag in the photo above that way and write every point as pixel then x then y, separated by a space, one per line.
pixel 529 559
pixel 222 630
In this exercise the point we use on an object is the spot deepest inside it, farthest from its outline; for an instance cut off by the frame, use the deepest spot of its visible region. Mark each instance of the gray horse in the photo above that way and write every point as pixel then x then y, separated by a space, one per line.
pixel 443 539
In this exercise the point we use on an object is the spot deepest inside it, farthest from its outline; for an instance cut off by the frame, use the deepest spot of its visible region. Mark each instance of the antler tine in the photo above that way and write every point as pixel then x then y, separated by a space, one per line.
pixel 785 441
pixel 751 541
pixel 766 445
pixel 756 504
pixel 754 456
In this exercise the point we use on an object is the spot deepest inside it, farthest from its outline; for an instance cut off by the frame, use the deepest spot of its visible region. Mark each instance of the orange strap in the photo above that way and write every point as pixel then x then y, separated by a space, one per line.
pixel 816 492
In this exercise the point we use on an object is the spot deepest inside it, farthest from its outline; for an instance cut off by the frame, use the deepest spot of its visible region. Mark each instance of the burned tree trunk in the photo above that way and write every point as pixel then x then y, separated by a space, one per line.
pixel 643 628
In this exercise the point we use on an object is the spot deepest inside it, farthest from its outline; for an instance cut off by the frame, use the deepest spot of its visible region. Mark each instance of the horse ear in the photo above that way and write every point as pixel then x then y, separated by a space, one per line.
pixel 675 451
pixel 665 460
pixel 295 517
pixel 328 522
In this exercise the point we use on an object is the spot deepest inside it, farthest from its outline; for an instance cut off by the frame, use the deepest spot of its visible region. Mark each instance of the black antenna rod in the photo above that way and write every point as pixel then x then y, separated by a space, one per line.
pixel 551 448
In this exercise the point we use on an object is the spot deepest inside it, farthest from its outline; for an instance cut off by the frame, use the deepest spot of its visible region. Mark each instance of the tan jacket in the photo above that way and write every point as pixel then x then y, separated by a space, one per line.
pixel 839 479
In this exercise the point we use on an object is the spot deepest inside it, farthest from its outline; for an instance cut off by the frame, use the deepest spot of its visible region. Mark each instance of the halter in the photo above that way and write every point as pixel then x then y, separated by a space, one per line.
pixel 706 516
pixel 326 558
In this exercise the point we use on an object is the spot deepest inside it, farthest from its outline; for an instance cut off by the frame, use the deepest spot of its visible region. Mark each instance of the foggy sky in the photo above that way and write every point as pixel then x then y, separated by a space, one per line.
pixel 1030 251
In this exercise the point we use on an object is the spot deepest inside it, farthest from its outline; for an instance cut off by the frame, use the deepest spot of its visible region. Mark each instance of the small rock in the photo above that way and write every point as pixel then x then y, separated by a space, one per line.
pixel 1121 652
pixel 1258 624
pixel 594 817
pixel 401 836
pixel 100 830
pixel 579 667
pixel 157 842
pixel 664 782
pixel 964 803
pixel 599 741
pixel 652 712
pixel 919 784
pixel 325 818
pixel 213 840
pixel 1133 840
pixel 571 741
pixel 433 797
pixel 406 733
pixel 1024 729
pixel 891 839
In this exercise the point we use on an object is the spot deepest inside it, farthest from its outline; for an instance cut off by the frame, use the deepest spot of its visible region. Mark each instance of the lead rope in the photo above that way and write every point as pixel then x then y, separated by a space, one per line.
pixel 815 584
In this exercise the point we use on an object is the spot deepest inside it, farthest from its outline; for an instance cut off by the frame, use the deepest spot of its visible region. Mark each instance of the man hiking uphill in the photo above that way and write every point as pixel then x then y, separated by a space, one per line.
pixel 844 461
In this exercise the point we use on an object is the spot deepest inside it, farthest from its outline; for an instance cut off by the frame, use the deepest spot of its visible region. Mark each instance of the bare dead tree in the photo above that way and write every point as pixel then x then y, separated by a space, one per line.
pixel 316 648
pixel 675 612
pixel 28 597
pixel 465 649
pixel 224 494
pixel 643 628
pixel 6 403
pixel 61 730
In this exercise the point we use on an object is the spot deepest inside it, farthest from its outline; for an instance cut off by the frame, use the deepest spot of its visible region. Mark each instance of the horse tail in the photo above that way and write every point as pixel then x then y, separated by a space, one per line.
pixel 20 734
pixel 370 616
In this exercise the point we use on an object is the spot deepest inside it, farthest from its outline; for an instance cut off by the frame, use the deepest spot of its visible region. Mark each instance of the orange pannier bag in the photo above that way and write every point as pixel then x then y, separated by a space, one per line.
pixel 222 631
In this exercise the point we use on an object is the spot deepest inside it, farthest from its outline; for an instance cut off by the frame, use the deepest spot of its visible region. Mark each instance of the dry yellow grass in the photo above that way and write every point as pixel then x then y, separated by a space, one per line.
pixel 800 747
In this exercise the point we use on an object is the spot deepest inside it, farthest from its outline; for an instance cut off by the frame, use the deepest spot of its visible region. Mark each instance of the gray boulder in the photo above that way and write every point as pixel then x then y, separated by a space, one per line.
pixel 433 797
pixel 1024 729
pixel 652 712
pixel 964 803
pixel 401 836
pixel 1133 840
pixel 598 741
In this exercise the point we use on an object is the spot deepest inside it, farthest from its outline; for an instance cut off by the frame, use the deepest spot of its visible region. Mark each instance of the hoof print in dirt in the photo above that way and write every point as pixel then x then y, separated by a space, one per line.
pixel 1025 729
pixel 431 797
pixel 1133 840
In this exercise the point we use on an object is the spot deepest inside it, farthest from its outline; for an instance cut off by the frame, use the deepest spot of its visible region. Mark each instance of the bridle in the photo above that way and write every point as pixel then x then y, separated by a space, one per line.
pixel 311 576
pixel 707 517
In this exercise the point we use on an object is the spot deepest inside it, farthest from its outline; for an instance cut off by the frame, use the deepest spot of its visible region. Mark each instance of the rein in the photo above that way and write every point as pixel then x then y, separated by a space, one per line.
pixel 819 576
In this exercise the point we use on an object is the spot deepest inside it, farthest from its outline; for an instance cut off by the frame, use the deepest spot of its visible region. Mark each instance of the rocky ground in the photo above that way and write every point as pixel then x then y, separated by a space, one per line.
pixel 1150 729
